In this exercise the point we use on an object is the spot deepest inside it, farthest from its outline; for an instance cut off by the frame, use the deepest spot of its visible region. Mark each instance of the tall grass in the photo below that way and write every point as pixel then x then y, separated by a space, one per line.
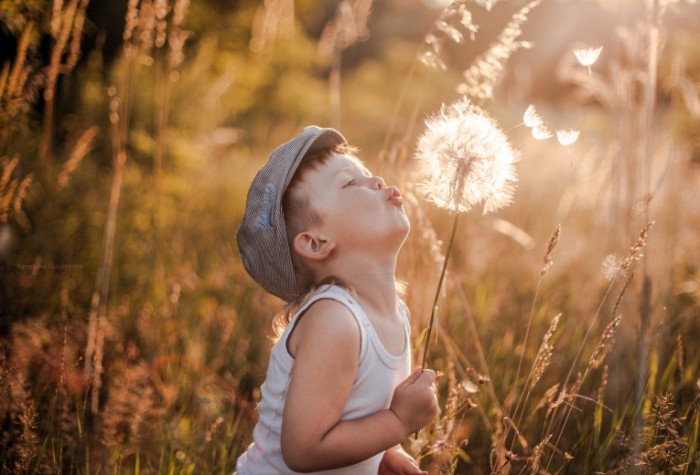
pixel 134 342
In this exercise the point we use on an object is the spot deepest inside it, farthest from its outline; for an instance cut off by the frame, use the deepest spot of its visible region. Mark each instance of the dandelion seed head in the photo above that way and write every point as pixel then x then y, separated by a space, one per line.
pixel 567 137
pixel 612 267
pixel 465 159
pixel 587 56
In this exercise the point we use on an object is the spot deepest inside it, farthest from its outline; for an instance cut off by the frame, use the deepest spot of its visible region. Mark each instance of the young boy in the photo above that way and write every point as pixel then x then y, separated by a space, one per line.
pixel 322 233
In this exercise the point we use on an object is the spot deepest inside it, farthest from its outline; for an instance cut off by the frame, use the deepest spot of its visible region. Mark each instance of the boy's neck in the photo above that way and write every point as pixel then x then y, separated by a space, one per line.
pixel 373 281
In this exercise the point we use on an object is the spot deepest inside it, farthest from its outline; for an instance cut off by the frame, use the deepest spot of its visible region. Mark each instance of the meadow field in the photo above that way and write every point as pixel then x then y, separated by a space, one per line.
pixel 566 328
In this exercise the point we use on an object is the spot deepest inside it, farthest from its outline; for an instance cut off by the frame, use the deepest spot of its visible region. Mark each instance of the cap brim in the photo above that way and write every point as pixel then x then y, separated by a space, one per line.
pixel 327 138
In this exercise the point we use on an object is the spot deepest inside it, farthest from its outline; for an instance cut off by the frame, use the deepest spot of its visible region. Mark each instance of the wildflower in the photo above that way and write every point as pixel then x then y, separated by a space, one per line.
pixel 587 56
pixel 465 159
pixel 567 137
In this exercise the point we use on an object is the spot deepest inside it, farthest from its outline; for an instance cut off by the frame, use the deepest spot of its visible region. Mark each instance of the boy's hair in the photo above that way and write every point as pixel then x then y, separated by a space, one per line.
pixel 300 214
pixel 262 235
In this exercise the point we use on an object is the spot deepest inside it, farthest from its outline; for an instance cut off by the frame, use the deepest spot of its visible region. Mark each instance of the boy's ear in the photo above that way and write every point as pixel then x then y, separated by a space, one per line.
pixel 312 246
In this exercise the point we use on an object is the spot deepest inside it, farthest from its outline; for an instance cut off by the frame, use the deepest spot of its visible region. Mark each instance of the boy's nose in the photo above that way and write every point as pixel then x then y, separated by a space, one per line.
pixel 378 183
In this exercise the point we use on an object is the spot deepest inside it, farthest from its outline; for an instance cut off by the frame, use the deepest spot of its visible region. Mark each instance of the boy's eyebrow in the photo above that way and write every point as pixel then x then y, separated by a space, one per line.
pixel 351 170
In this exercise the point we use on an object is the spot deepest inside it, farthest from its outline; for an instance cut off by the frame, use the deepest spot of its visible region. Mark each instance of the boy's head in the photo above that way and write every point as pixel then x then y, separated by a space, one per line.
pixel 263 236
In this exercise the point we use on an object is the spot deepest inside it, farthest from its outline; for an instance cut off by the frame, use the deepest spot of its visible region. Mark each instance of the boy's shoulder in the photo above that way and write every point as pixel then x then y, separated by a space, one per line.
pixel 325 319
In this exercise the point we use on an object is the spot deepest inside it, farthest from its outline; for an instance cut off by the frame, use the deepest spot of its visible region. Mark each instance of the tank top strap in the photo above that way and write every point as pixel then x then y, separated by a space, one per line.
pixel 406 314
pixel 339 294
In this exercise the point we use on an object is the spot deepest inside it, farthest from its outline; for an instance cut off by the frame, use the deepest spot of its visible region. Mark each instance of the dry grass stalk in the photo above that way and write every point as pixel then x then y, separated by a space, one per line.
pixel 521 439
pixel 607 340
pixel 445 28
pixel 12 193
pixel 66 23
pixel 547 398
pixel 544 355
pixel 273 19
pixel 480 79
pixel 13 84
pixel 680 356
pixel 635 251
pixel 347 27
pixel 82 147
pixel 603 385
pixel 665 443
pixel 547 260
pixel 542 359
pixel 130 408
pixel 533 461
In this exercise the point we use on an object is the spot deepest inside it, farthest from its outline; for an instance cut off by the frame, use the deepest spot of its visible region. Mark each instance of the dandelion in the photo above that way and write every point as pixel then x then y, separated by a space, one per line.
pixel 587 56
pixel 567 137
pixel 464 160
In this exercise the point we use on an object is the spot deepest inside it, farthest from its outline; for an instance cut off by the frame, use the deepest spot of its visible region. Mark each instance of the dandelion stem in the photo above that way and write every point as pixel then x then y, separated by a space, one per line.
pixel 437 292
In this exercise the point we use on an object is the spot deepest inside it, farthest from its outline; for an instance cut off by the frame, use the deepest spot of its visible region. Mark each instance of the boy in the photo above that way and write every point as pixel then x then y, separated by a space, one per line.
pixel 323 234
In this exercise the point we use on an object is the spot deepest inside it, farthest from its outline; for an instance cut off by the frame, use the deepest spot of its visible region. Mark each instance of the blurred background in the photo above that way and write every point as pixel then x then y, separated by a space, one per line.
pixel 131 338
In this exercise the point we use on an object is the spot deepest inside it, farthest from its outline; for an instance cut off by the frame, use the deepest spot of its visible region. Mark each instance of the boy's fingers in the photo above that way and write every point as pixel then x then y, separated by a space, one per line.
pixel 413 377
pixel 428 375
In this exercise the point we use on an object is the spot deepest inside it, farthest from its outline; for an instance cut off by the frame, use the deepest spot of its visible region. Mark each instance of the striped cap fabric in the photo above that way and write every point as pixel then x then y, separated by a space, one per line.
pixel 262 234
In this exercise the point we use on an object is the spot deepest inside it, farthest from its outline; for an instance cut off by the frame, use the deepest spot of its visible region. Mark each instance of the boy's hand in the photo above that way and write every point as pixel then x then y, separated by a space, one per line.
pixel 414 402
pixel 397 462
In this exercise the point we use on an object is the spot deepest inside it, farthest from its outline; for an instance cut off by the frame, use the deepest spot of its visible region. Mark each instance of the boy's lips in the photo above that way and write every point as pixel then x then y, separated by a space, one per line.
pixel 395 196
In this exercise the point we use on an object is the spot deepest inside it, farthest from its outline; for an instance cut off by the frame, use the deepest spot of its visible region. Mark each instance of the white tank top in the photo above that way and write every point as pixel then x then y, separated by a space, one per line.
pixel 378 373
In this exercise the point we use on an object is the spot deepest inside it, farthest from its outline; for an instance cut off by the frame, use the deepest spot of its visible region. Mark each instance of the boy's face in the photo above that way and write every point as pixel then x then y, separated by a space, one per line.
pixel 356 208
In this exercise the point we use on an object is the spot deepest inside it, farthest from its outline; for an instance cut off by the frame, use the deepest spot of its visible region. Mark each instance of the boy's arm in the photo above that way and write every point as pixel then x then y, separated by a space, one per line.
pixel 325 346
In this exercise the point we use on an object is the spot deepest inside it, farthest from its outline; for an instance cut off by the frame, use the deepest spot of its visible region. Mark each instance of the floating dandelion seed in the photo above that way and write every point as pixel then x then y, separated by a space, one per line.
pixel 612 267
pixel 587 56
pixel 567 137
pixel 540 132
pixel 531 118
pixel 465 159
